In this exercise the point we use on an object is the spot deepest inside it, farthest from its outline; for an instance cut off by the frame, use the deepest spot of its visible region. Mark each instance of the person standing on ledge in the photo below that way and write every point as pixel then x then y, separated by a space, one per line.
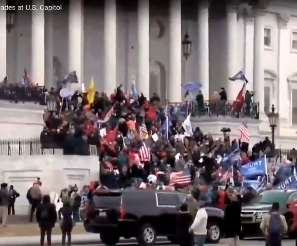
pixel 13 196
pixel 4 201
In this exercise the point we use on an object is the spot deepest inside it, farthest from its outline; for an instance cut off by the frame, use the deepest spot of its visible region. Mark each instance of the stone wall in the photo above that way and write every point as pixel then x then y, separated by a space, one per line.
pixel 55 172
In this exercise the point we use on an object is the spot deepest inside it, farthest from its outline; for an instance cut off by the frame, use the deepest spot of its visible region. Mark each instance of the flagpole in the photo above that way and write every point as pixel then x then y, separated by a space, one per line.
pixel 167 126
pixel 266 168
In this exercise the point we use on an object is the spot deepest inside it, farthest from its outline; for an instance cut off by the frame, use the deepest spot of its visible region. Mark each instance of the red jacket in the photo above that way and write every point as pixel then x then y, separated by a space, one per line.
pixel 221 199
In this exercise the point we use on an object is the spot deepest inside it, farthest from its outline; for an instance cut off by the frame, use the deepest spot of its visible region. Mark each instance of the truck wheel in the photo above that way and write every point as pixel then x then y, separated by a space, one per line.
pixel 109 238
pixel 147 235
pixel 214 232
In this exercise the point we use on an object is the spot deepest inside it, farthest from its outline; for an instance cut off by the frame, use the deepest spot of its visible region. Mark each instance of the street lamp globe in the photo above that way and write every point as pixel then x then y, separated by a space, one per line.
pixel 187 46
pixel 51 104
pixel 226 131
pixel 273 117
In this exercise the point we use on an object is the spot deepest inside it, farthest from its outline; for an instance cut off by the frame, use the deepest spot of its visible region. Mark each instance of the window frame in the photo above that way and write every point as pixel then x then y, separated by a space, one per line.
pixel 162 205
pixel 270 96
pixel 291 104
pixel 271 38
pixel 291 41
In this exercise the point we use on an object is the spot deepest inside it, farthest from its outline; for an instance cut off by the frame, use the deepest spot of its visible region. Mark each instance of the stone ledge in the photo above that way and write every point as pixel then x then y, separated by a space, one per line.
pixel 21 116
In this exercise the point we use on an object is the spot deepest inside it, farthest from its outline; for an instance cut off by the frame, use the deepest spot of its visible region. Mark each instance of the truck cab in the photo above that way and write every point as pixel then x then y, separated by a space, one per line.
pixel 252 213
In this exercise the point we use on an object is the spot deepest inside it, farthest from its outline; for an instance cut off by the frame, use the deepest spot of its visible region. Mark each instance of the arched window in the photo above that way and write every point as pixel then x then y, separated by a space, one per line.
pixel 292 80
pixel 269 90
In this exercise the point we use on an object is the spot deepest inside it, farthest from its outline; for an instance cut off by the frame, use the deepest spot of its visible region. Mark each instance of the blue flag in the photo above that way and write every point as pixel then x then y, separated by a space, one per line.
pixel 191 86
pixel 239 76
pixel 289 183
pixel 254 168
pixel 133 91
pixel 231 158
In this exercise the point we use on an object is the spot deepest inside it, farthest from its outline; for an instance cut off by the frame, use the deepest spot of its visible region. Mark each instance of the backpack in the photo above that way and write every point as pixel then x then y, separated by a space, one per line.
pixel 275 224
pixel 29 197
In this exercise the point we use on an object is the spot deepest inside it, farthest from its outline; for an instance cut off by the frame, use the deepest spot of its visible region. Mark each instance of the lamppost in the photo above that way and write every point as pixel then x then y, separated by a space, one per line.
pixel 273 121
pixel 51 104
pixel 187 46
pixel 226 132
pixel 10 16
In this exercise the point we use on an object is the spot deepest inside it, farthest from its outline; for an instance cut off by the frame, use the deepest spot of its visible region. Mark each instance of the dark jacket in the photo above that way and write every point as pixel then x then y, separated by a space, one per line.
pixel 184 221
pixel 46 215
pixel 4 197
pixel 232 219
pixel 13 195
pixel 67 221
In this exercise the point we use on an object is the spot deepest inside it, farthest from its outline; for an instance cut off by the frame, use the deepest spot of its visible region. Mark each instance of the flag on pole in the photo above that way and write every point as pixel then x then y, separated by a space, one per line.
pixel 188 126
pixel 244 134
pixel 90 90
pixel 133 91
pixel 180 177
pixel 25 80
pixel 143 133
pixel 71 77
pixel 4 81
pixel 239 101
pixel 107 116
pixel 239 76
pixel 144 153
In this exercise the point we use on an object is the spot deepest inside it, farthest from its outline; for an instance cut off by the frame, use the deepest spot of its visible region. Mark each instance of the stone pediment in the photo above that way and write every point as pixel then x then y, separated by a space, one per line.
pixel 292 78
pixel 270 74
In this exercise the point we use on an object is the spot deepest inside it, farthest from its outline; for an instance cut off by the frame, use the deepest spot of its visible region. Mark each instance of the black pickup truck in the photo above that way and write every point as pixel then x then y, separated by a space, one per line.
pixel 251 215
pixel 143 214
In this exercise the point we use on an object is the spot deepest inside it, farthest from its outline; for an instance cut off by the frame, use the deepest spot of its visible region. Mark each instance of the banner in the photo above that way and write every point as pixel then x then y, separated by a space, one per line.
pixel 289 183
pixel 255 184
pixel 254 168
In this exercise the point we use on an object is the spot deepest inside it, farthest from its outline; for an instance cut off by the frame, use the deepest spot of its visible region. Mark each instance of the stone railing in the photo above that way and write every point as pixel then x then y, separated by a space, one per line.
pixel 16 93
pixel 220 108
pixel 34 147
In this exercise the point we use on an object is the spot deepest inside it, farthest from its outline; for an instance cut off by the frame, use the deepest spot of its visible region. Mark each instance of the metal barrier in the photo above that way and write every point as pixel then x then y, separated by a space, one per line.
pixel 33 147
pixel 224 108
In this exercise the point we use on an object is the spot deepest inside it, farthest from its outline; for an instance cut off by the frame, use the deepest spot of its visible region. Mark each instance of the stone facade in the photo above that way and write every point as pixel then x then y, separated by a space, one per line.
pixel 56 172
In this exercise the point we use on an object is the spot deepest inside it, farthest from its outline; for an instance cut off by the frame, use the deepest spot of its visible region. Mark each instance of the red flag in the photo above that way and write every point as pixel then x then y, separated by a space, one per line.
pixel 239 101
pixel 111 134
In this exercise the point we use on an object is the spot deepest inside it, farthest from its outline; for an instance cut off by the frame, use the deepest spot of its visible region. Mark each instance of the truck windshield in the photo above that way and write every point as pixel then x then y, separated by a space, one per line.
pixel 270 197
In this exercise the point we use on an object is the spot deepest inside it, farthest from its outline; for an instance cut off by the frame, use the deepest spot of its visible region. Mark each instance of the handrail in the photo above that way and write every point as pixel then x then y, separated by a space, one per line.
pixel 34 147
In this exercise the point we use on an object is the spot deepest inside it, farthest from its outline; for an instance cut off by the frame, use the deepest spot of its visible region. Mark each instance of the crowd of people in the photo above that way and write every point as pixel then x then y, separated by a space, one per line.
pixel 144 145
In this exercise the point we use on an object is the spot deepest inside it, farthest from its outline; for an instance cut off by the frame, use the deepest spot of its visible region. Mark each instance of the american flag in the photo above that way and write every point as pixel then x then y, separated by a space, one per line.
pixel 107 116
pixel 143 133
pixel 180 177
pixel 244 134
pixel 144 153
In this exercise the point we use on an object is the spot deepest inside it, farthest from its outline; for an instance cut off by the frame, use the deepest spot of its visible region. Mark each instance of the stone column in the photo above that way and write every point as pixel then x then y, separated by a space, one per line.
pixel 38 48
pixel 248 47
pixel 76 31
pixel 110 41
pixel 175 39
pixel 49 51
pixel 143 80
pixel 232 57
pixel 258 79
pixel 3 44
pixel 282 100
pixel 203 46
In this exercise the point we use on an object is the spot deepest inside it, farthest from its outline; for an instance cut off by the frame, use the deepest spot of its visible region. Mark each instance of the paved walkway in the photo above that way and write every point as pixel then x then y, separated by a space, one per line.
pixel 56 239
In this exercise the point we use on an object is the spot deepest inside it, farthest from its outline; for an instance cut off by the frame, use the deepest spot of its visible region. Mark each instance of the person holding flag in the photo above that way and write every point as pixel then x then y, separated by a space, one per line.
pixel 239 101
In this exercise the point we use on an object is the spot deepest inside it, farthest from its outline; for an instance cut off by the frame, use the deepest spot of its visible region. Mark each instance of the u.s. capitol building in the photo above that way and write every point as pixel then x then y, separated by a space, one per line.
pixel 114 41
